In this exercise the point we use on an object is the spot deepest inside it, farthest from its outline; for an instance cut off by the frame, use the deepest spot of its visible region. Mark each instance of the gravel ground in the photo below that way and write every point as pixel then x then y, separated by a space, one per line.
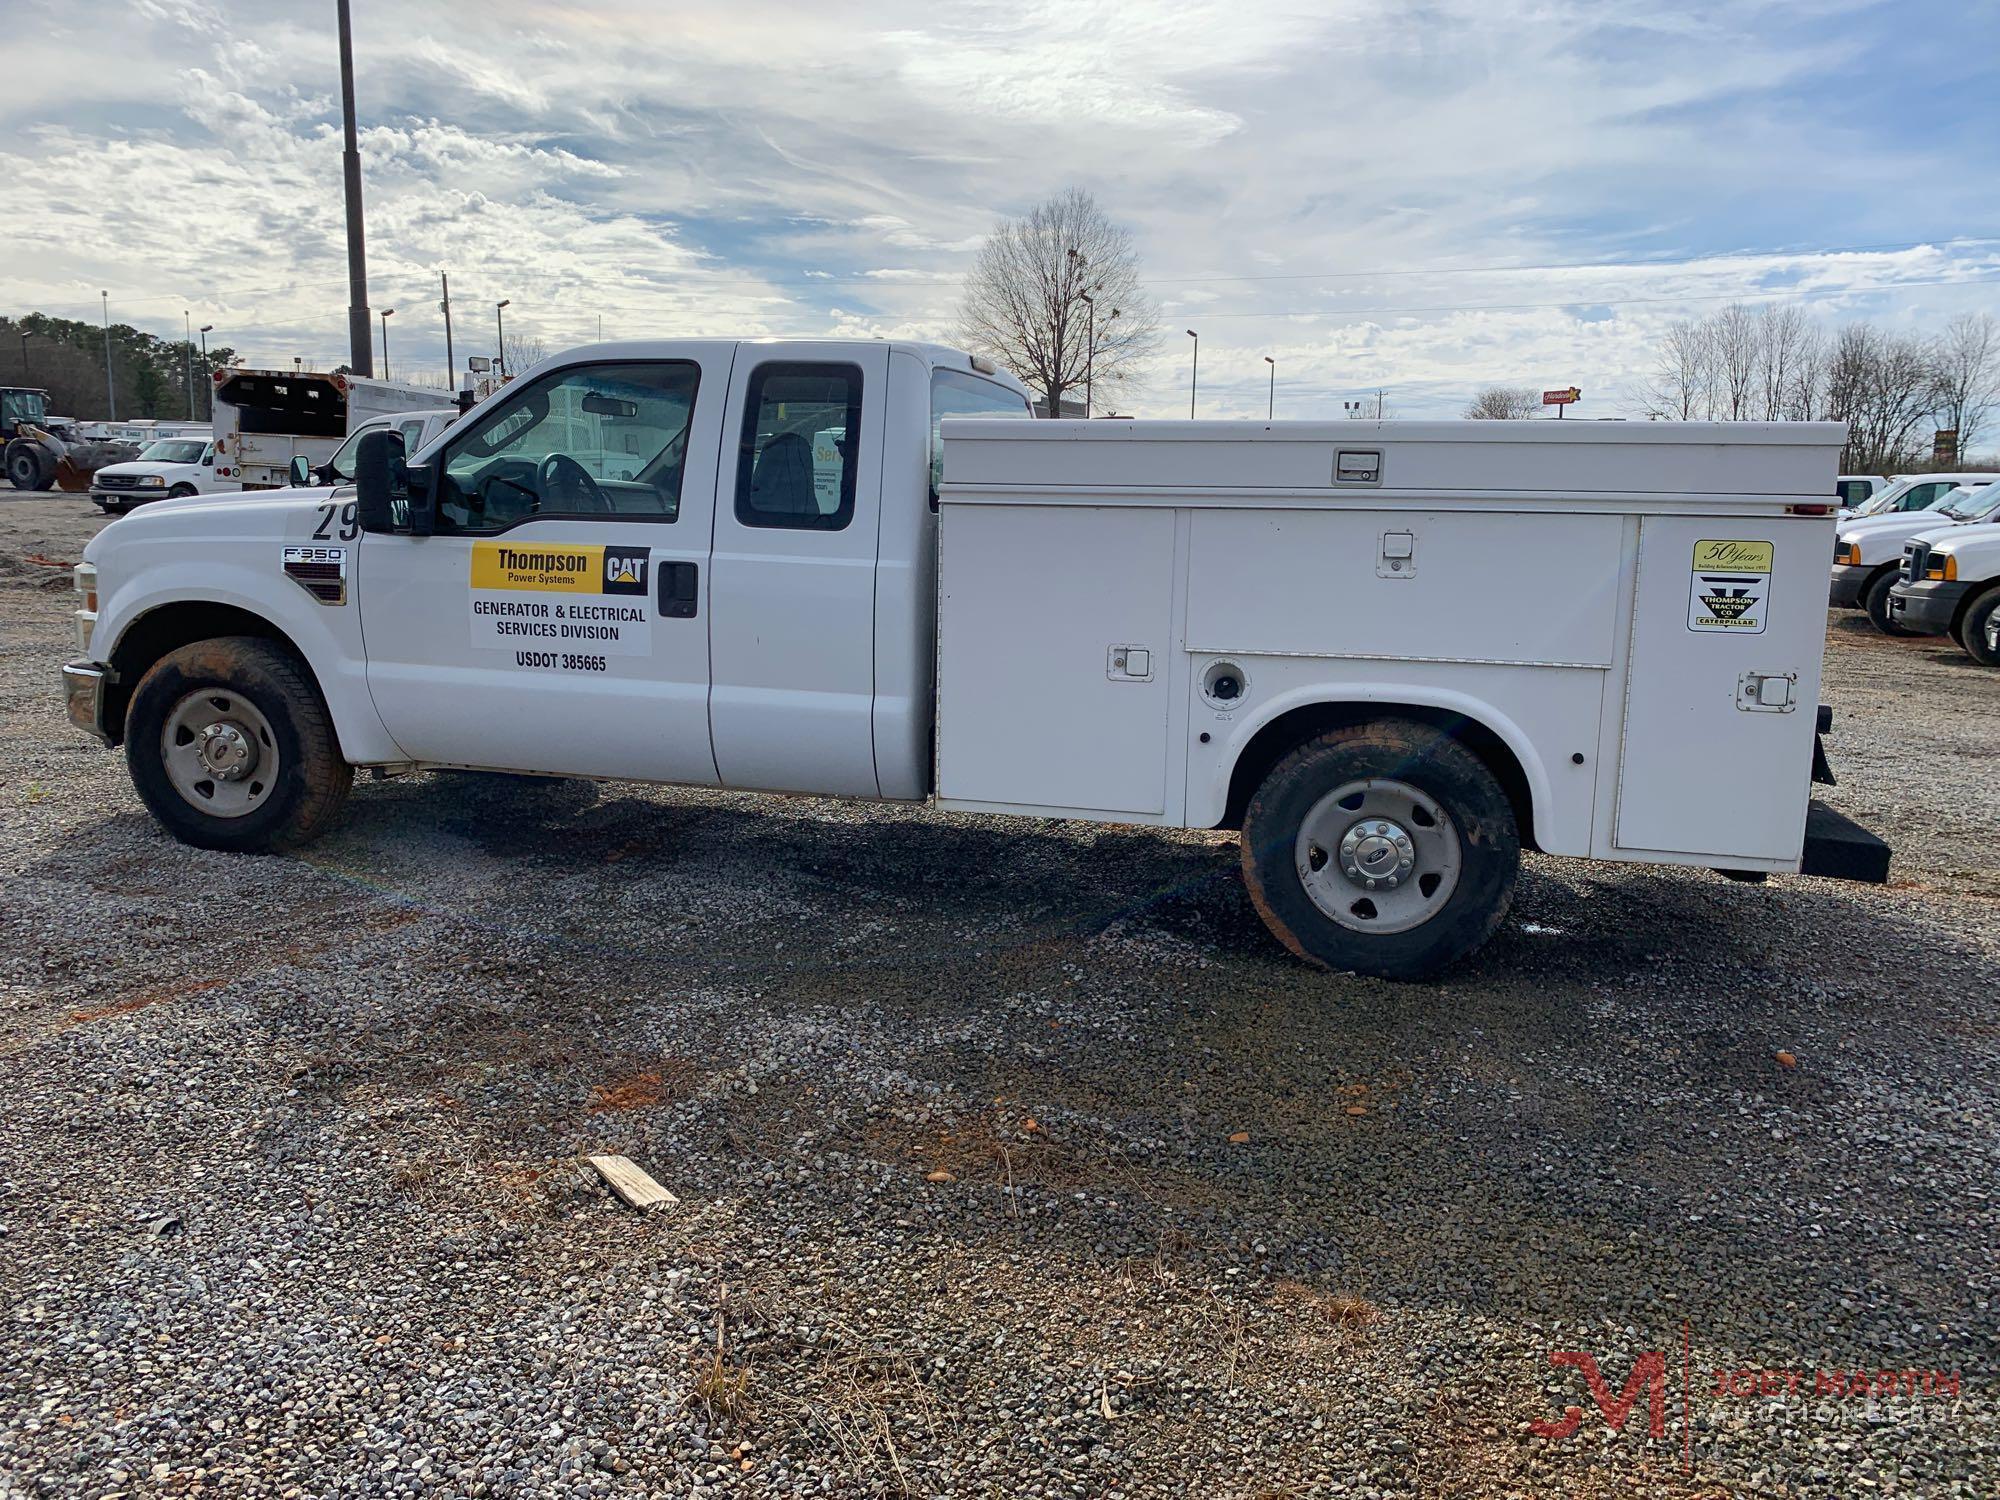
pixel 1014 1158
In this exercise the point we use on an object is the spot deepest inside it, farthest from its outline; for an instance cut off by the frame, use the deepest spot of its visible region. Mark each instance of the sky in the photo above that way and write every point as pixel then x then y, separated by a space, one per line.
pixel 1417 196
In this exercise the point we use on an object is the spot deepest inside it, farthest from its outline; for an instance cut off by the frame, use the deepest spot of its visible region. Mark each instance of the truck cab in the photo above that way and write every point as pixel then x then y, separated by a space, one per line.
pixel 698 561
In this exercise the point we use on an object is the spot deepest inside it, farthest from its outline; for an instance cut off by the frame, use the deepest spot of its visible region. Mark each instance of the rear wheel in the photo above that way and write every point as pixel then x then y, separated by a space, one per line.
pixel 1977 633
pixel 231 747
pixel 1387 848
pixel 1875 599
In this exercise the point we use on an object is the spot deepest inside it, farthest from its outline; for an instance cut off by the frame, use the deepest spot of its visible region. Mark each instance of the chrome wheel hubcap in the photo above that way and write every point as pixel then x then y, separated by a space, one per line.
pixel 219 752
pixel 1379 855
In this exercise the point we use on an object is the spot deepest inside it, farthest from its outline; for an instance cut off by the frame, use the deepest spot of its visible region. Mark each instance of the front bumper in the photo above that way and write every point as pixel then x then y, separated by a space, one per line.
pixel 124 499
pixel 1847 581
pixel 1927 608
pixel 83 695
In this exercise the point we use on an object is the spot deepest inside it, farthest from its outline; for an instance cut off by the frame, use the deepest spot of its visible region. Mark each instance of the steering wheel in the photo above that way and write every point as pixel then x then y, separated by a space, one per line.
pixel 566 485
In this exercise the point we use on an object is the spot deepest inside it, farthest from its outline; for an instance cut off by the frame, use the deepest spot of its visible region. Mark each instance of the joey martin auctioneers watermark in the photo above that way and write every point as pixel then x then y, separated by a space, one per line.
pixel 1649 1381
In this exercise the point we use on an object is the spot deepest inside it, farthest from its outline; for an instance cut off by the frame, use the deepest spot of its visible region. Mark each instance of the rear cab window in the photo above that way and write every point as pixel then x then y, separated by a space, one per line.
pixel 957 394
pixel 796 461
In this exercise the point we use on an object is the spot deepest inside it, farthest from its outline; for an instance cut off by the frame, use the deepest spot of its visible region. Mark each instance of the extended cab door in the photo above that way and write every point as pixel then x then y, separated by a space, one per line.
pixel 793 594
pixel 557 619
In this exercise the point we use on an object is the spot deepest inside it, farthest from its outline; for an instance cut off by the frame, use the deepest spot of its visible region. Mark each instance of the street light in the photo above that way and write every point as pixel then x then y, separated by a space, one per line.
pixel 1089 350
pixel 1194 375
pixel 1271 410
pixel 26 374
pixel 387 314
pixel 500 330
pixel 187 358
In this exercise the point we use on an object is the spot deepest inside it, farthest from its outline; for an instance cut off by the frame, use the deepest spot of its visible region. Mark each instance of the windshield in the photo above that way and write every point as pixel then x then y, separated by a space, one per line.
pixel 1969 504
pixel 342 462
pixel 23 406
pixel 174 451
pixel 1883 500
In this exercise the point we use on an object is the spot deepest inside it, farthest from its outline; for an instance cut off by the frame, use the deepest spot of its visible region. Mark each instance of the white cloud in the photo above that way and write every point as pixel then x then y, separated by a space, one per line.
pixel 763 166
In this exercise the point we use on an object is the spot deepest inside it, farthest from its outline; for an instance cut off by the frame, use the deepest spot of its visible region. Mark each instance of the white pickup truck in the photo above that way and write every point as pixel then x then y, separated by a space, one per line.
pixel 1949 584
pixel 1391 654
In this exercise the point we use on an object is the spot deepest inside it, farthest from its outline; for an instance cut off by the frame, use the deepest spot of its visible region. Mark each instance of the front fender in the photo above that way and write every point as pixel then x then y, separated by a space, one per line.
pixel 327 636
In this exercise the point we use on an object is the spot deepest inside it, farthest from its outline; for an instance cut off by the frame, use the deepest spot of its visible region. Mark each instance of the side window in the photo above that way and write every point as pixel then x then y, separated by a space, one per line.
pixel 589 442
pixel 413 435
pixel 795 464
pixel 956 394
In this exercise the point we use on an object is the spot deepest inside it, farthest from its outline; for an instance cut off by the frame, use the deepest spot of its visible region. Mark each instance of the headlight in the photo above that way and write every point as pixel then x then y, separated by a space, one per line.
pixel 1942 569
pixel 1847 552
pixel 152 482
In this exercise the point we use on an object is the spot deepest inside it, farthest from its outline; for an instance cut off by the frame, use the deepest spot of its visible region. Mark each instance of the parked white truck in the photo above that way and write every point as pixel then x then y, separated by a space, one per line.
pixel 1949 584
pixel 167 468
pixel 1868 551
pixel 1392 654
pixel 266 418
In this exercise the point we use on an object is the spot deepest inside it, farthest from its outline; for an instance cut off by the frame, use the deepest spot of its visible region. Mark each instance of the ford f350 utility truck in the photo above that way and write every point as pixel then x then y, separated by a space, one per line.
pixel 1392 654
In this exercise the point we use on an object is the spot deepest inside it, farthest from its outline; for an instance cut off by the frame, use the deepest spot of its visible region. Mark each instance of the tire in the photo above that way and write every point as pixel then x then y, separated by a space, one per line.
pixel 1972 633
pixel 1875 600
pixel 1310 791
pixel 25 469
pixel 180 491
pixel 263 693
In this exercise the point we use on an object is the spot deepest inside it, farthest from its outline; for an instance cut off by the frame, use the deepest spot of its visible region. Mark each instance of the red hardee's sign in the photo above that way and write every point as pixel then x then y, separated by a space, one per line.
pixel 1561 398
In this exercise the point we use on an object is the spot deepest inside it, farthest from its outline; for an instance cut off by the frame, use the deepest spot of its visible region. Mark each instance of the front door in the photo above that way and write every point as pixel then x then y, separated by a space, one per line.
pixel 797 516
pixel 557 618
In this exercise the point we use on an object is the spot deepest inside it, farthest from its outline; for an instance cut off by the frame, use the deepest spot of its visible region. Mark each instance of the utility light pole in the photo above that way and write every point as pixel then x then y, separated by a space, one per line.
pixel 500 333
pixel 450 360
pixel 207 375
pixel 387 314
pixel 1271 410
pixel 1089 351
pixel 360 355
pixel 110 387
pixel 1194 375
pixel 187 354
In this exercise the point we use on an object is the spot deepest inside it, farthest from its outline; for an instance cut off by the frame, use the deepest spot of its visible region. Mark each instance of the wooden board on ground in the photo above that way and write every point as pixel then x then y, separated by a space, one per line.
pixel 630 1183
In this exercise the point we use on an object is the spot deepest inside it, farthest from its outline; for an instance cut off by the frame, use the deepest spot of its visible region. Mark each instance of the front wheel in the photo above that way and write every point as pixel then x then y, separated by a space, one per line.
pixel 1875 599
pixel 180 492
pixel 1387 848
pixel 231 747
pixel 1977 634
pixel 24 467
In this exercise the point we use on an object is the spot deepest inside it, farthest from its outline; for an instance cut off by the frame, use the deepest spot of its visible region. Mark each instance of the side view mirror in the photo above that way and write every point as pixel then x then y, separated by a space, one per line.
pixel 377 462
pixel 301 471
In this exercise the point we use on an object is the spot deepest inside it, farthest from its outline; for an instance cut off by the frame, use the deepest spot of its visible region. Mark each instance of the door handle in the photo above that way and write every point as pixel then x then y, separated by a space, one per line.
pixel 679 590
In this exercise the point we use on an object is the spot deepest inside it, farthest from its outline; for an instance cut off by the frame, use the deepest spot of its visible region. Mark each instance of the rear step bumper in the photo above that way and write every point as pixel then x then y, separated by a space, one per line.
pixel 1839 848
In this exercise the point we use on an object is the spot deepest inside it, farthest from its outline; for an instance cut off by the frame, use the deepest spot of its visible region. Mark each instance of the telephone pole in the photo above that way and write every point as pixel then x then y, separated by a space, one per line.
pixel 361 354
pixel 451 362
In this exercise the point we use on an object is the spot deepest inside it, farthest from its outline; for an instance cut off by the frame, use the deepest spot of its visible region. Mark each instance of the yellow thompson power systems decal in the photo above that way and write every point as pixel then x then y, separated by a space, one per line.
pixel 524 601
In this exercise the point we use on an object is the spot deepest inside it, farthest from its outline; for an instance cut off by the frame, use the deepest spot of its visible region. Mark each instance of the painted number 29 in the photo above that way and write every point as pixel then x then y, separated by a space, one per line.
pixel 349 527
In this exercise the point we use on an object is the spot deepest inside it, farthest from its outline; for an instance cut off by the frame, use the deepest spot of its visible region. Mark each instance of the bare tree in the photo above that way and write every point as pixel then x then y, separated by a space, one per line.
pixel 1682 388
pixel 1504 402
pixel 1883 386
pixel 522 352
pixel 1733 347
pixel 1029 300
pixel 1966 372
pixel 1787 349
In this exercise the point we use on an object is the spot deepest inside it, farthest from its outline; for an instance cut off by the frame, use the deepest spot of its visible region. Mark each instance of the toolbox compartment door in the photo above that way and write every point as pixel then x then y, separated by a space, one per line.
pixel 1036 605
pixel 1722 691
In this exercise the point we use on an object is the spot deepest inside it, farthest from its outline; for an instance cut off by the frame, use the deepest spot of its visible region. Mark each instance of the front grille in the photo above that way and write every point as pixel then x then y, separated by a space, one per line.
pixel 117 481
pixel 1915 556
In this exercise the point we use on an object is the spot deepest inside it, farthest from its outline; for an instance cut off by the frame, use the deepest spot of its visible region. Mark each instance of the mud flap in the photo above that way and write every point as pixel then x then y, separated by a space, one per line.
pixel 1839 848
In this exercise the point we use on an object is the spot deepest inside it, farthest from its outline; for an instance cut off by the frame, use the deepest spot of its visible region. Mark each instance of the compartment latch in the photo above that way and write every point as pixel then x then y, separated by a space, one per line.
pixel 1767 692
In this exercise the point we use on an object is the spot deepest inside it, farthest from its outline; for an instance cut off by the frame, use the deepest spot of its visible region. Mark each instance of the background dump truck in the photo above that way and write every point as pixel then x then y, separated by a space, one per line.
pixel 265 418
pixel 1392 654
